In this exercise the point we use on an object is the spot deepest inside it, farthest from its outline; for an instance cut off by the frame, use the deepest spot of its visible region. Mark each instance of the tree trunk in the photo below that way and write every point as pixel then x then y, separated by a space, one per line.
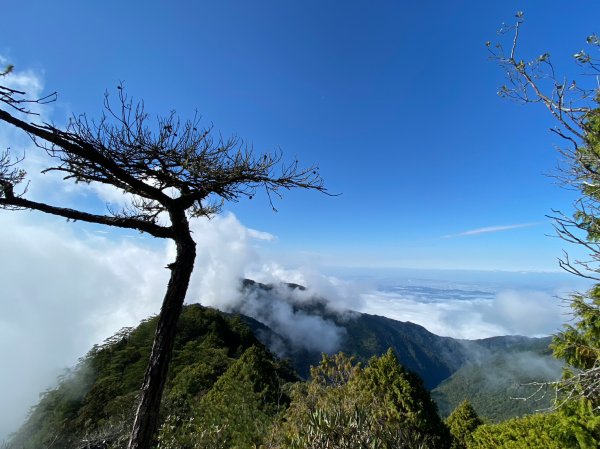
pixel 146 417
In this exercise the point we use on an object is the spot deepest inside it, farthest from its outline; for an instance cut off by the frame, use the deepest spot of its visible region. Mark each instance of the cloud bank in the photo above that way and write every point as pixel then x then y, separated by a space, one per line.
pixel 471 316
pixel 60 293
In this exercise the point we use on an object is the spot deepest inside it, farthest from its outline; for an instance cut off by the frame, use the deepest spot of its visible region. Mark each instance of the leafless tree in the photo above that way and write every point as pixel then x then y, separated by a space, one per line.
pixel 575 106
pixel 173 170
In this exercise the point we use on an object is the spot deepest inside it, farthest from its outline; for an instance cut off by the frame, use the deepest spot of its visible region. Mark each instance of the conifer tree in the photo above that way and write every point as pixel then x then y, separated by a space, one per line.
pixel 346 406
pixel 462 422
pixel 537 431
pixel 405 399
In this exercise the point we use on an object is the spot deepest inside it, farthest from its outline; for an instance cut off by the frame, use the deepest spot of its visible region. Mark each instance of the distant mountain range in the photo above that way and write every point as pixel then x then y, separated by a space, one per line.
pixel 490 371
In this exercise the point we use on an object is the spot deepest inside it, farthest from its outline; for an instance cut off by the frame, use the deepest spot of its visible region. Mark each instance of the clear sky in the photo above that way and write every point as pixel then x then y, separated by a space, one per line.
pixel 396 101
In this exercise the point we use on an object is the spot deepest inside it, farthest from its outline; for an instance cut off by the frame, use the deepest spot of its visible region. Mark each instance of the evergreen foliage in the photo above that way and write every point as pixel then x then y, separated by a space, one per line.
pixel 492 384
pixel 579 343
pixel 347 406
pixel 462 422
pixel 581 424
pixel 96 399
pixel 574 104
pixel 538 431
pixel 573 427
pixel 404 398
pixel 236 412
pixel 225 390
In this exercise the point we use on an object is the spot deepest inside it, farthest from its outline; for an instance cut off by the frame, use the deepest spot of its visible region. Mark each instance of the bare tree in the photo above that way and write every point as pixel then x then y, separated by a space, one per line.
pixel 575 105
pixel 174 170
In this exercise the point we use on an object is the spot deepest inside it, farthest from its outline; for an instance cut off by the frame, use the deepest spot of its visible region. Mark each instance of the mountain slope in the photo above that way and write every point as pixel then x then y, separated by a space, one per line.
pixel 497 384
pixel 95 400
pixel 432 357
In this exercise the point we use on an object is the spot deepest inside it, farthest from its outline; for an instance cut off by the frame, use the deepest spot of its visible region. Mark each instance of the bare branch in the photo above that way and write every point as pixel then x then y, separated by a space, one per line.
pixel 18 100
pixel 75 215
pixel 576 108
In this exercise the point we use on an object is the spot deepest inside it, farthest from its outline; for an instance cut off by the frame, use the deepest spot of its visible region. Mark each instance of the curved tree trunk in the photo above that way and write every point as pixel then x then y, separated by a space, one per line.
pixel 146 417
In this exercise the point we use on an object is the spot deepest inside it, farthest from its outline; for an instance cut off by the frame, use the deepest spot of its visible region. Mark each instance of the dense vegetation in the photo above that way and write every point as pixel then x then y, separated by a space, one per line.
pixel 347 406
pixel 227 390
pixel 501 386
pixel 432 357
pixel 95 401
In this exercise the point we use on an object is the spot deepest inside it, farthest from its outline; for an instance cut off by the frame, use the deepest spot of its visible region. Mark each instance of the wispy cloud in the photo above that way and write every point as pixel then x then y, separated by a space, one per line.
pixel 260 235
pixel 491 229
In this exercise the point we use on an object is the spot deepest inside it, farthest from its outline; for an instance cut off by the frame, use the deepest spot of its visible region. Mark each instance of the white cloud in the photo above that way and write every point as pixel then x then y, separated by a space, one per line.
pixel 63 289
pixel 260 235
pixel 40 187
pixel 340 294
pixel 458 319
pixel 227 254
pixel 491 229
pixel 224 252
pixel 527 312
pixel 61 292
pixel 305 330
pixel 28 82
pixel 507 312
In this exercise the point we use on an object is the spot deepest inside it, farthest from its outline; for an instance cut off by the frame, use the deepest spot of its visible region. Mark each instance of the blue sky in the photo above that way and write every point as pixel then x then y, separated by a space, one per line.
pixel 396 101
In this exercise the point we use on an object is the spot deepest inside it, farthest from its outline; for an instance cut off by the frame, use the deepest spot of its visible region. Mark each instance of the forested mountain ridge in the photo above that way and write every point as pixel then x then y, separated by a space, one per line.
pixel 490 372
pixel 502 385
pixel 94 402
pixel 432 357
